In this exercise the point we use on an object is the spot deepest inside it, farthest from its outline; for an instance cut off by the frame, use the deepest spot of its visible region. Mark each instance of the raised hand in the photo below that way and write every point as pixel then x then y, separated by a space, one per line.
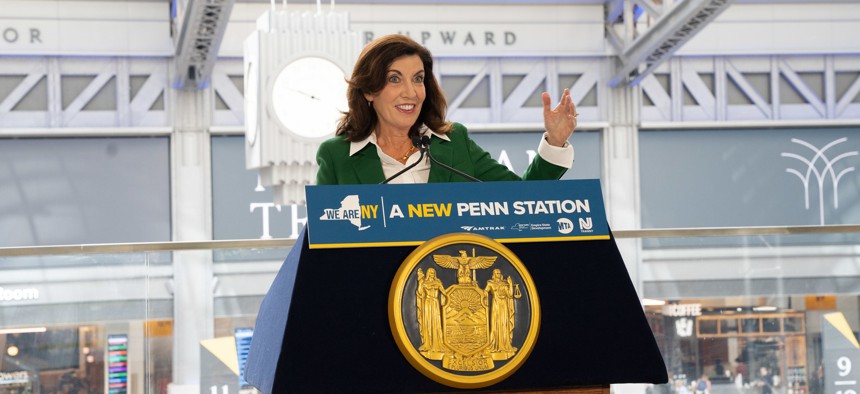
pixel 560 121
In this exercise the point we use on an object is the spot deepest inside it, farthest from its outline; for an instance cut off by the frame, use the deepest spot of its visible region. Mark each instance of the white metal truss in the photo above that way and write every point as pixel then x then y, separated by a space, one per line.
pixel 690 89
pixel 645 33
pixel 230 111
pixel 519 103
pixel 202 28
pixel 534 76
pixel 136 88
pixel 744 89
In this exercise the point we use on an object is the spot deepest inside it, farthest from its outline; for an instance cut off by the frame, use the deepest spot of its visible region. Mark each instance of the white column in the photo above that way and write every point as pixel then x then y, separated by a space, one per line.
pixel 850 307
pixel 621 173
pixel 621 176
pixel 136 358
pixel 191 192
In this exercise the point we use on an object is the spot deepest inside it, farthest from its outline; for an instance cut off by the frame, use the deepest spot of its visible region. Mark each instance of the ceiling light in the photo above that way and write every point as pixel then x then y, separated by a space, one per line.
pixel 651 302
pixel 22 330
pixel 765 308
pixel 12 351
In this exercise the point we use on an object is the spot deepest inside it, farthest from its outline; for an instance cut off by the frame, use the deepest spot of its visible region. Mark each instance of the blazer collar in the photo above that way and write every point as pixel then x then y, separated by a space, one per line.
pixel 368 168
pixel 366 164
pixel 440 146
pixel 355 147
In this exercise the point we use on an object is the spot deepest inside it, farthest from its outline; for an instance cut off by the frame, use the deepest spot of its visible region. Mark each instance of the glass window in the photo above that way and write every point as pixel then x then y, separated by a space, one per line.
pixel 792 324
pixel 730 175
pixel 61 191
pixel 770 324
pixel 728 326
pixel 707 326
pixel 513 149
pixel 750 325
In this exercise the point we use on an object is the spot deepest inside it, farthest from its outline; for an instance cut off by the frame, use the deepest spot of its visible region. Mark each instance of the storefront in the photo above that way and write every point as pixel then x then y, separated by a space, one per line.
pixel 59 359
pixel 749 341
pixel 733 346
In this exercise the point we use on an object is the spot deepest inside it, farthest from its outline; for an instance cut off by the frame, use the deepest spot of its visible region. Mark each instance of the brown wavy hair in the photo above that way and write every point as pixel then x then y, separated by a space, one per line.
pixel 369 77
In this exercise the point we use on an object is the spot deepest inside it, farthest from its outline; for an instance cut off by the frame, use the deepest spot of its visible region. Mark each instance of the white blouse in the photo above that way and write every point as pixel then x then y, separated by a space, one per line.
pixel 560 156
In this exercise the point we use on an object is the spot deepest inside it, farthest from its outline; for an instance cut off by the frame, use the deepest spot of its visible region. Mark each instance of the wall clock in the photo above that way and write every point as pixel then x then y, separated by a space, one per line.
pixel 309 97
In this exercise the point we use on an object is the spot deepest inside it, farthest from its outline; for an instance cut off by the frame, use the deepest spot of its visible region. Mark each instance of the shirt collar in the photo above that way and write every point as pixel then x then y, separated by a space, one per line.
pixel 356 146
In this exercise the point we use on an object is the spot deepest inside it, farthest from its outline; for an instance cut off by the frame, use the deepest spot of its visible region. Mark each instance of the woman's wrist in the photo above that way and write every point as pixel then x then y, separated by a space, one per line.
pixel 554 141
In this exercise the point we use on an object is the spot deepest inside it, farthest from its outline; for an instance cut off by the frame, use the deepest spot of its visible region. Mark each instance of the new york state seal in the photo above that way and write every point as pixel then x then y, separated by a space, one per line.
pixel 464 310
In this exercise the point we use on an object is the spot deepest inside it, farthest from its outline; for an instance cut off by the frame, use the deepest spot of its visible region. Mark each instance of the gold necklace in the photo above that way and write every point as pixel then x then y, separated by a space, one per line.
pixel 407 154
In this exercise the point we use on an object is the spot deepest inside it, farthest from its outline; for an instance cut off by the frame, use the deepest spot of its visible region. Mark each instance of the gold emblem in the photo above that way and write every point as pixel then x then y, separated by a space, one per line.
pixel 456 320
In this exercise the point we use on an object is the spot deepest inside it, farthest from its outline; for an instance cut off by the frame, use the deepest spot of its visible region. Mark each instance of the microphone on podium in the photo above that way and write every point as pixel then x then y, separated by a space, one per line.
pixel 425 147
pixel 416 142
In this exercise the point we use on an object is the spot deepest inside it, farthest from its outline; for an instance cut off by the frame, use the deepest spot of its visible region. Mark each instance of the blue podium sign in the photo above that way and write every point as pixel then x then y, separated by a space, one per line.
pixel 348 216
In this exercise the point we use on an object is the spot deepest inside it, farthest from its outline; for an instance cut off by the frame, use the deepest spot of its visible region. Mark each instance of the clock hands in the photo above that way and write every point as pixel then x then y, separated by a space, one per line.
pixel 303 93
pixel 316 98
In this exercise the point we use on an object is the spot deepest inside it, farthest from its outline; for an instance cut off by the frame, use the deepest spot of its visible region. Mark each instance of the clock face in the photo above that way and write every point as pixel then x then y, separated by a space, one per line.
pixel 309 97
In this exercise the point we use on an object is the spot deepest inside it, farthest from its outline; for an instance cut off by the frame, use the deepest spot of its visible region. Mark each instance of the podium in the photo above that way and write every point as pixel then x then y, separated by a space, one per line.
pixel 324 324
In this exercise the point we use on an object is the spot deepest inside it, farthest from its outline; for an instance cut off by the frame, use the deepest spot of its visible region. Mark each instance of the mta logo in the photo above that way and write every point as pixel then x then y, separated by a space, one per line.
pixel 565 226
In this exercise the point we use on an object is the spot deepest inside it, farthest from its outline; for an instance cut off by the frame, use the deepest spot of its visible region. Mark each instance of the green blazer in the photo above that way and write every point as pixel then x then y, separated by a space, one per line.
pixel 337 167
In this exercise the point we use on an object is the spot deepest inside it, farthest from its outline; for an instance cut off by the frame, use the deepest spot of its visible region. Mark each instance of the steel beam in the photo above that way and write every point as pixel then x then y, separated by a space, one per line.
pixel 674 27
pixel 202 28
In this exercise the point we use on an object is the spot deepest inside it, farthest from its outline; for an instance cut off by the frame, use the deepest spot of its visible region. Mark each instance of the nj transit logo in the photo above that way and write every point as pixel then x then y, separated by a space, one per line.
pixel 351 209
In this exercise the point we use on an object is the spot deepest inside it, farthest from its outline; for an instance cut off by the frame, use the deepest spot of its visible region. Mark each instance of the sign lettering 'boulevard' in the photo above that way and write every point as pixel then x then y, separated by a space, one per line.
pixel 375 215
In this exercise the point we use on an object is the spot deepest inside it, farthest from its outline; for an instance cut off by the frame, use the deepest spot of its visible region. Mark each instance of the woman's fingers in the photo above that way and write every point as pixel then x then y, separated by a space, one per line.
pixel 547 105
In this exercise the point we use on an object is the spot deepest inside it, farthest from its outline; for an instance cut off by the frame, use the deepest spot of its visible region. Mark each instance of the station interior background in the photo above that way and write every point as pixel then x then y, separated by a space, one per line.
pixel 725 135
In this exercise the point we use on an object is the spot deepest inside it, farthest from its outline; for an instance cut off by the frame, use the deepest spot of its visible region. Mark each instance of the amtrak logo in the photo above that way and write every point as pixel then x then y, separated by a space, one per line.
pixel 350 210
pixel 821 167
pixel 482 228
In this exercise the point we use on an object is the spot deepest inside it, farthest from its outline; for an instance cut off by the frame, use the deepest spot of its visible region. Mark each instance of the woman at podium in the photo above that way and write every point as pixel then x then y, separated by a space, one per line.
pixel 396 109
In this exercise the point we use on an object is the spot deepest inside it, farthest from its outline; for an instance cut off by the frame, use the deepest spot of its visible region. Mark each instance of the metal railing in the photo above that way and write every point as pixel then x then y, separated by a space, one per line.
pixel 288 242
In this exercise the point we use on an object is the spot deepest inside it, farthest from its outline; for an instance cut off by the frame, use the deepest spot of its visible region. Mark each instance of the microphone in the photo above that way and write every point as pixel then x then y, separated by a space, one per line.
pixel 425 146
pixel 416 142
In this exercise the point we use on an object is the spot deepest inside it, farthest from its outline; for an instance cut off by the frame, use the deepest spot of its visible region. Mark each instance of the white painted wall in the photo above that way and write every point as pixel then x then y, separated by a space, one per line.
pixel 780 28
pixel 99 28
pixel 130 28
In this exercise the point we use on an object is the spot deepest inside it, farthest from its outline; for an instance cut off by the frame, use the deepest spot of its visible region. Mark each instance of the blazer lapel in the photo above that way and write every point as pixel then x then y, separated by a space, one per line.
pixel 368 168
pixel 444 153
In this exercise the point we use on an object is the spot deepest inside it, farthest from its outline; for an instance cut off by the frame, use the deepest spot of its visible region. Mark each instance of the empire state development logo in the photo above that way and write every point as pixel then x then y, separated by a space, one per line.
pixel 351 210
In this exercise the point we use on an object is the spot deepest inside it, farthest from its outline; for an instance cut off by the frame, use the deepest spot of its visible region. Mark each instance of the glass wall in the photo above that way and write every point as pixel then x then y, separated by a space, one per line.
pixel 58 191
pixel 723 307
pixel 103 324
pixel 738 308
pixel 100 346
